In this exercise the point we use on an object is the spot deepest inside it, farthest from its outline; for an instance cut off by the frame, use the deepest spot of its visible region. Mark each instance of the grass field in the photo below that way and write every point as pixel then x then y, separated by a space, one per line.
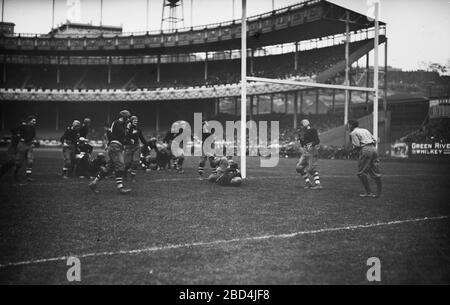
pixel 175 229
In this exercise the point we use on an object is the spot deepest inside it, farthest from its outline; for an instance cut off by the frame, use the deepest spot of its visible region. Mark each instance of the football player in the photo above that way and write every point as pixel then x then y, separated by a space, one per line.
pixel 177 156
pixel 115 154
pixel 85 128
pixel 307 164
pixel 27 140
pixel 12 152
pixel 69 141
pixel 227 173
pixel 206 132
pixel 83 152
pixel 132 147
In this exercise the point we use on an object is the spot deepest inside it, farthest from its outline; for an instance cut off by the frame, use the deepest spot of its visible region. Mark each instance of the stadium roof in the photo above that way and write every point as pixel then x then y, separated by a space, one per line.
pixel 307 20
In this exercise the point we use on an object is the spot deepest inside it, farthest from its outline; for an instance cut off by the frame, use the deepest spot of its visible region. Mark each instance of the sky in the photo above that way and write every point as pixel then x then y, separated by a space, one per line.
pixel 418 30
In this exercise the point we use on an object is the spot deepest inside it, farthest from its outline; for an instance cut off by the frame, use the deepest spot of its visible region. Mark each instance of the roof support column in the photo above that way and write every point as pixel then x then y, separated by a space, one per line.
pixel 295 109
pixel 206 67
pixel 158 69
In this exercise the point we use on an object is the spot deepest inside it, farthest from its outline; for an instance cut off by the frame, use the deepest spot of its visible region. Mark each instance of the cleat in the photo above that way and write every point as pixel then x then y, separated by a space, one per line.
pixel 124 191
pixel 93 187
pixel 366 195
pixel 180 171
pixel 29 179
pixel 316 187
pixel 201 178
pixel 133 180
pixel 307 186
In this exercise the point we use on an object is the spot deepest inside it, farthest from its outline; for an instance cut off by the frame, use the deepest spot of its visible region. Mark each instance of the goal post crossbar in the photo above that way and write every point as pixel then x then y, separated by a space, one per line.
pixel 308 84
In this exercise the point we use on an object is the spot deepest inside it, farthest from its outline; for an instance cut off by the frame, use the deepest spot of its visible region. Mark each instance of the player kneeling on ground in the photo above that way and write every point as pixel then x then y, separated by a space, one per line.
pixel 368 162
pixel 227 173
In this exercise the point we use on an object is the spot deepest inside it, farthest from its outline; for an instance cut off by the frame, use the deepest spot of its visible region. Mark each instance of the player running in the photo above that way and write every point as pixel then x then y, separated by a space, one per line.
pixel 115 153
pixel 69 141
pixel 368 162
pixel 132 147
pixel 307 164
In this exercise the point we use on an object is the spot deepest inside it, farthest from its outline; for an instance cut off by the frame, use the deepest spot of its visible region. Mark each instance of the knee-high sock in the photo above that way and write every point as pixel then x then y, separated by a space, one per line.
pixel 316 177
pixel 119 179
pixel 379 184
pixel 365 182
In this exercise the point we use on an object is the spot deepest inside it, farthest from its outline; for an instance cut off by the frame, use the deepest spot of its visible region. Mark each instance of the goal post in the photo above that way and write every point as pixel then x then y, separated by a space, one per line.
pixel 346 86
pixel 244 90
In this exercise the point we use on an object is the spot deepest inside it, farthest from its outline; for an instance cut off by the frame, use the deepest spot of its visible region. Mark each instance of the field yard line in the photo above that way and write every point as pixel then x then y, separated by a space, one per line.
pixel 222 241
pixel 76 182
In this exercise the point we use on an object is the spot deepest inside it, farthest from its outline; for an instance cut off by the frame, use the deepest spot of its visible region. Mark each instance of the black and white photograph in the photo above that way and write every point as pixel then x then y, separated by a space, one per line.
pixel 245 144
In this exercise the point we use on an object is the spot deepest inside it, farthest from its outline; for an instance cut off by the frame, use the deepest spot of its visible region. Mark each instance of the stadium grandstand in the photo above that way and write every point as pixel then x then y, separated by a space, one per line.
pixel 167 75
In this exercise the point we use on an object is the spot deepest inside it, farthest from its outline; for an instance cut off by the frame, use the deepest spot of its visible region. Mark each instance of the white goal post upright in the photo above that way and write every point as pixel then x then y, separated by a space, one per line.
pixel 244 90
pixel 375 73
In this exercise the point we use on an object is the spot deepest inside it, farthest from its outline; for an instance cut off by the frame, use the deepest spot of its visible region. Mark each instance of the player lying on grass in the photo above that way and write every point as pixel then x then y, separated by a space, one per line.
pixel 307 164
pixel 226 173
pixel 368 162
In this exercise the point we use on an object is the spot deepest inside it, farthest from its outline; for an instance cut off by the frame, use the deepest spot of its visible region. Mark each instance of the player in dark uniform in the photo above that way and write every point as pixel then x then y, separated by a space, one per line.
pixel 132 147
pixel 12 151
pixel 85 128
pixel 178 156
pixel 206 132
pixel 115 153
pixel 147 161
pixel 307 164
pixel 226 173
pixel 69 141
pixel 27 138
pixel 83 152
pixel 97 165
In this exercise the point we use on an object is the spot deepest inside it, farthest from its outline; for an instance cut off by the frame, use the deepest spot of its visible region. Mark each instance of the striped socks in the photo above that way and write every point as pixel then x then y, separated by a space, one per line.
pixel 316 178
pixel 119 182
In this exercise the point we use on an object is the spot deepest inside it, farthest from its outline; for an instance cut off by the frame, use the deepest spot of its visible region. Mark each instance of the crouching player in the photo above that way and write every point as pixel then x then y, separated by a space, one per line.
pixel 83 152
pixel 115 154
pixel 227 173
pixel 368 162
pixel 97 165
pixel 307 164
